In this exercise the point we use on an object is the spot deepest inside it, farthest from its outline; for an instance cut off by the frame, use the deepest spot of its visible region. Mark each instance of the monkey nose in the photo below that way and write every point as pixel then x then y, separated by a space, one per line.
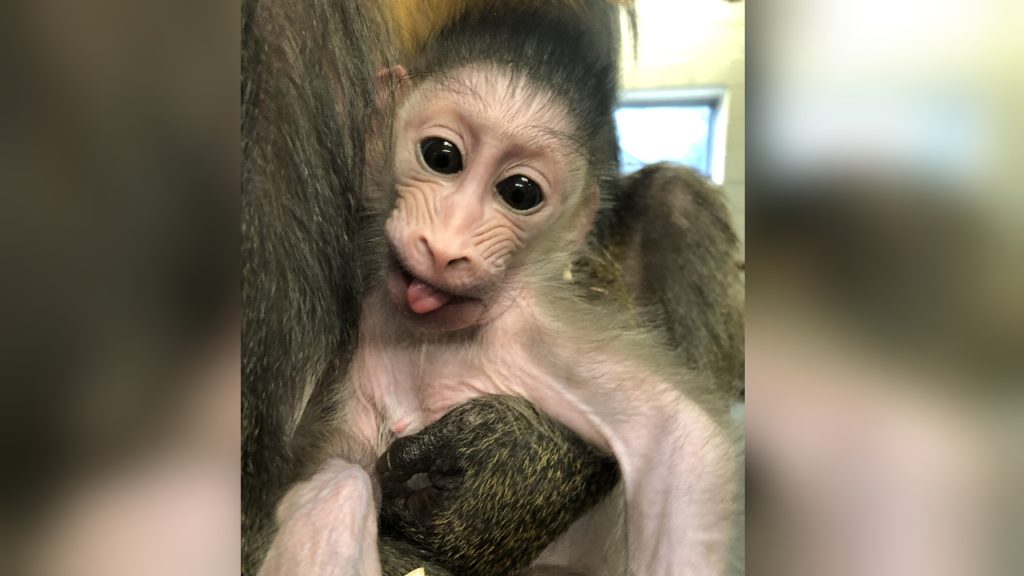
pixel 445 257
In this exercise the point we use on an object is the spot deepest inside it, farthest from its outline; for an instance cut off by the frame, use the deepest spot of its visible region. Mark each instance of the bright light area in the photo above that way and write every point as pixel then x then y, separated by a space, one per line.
pixel 665 133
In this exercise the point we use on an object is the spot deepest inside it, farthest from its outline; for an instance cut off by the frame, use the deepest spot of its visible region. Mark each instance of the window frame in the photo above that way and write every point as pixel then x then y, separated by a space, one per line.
pixel 710 97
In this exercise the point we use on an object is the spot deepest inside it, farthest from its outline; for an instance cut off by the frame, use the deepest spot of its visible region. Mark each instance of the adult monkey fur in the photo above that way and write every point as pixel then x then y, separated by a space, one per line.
pixel 307 95
pixel 317 284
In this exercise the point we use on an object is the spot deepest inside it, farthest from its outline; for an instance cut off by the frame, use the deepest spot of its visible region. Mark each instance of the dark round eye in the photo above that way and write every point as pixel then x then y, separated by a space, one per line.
pixel 520 193
pixel 441 155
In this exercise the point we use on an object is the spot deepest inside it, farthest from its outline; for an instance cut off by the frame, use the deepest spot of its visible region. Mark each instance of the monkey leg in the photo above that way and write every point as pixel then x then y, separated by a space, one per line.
pixel 487 487
pixel 668 238
pixel 327 525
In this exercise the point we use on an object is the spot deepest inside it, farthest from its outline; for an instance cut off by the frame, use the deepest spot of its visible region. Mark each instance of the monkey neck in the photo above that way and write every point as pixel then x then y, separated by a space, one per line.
pixel 538 349
pixel 409 377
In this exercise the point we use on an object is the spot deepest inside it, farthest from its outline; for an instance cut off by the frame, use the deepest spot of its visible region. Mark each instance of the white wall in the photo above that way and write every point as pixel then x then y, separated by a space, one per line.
pixel 698 44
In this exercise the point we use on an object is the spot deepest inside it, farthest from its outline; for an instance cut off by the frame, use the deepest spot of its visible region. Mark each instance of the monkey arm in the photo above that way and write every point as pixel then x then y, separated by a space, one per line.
pixel 501 482
pixel 668 236
pixel 680 490
pixel 668 429
pixel 327 525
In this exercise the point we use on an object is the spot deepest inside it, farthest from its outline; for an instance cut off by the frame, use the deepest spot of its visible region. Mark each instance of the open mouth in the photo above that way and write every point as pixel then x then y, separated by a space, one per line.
pixel 421 297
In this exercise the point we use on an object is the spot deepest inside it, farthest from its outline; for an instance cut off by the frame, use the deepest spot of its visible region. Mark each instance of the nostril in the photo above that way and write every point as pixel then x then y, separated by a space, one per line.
pixel 443 256
pixel 424 247
pixel 458 262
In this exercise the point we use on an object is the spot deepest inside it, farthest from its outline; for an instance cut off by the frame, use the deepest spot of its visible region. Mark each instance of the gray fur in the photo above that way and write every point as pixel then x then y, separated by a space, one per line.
pixel 307 100
pixel 668 236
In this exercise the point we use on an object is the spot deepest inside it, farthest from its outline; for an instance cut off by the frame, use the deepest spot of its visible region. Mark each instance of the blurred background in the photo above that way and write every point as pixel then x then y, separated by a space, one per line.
pixel 119 259
pixel 884 274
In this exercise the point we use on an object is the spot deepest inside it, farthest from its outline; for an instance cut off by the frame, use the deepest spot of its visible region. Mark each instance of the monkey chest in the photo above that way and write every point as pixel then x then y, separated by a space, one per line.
pixel 409 390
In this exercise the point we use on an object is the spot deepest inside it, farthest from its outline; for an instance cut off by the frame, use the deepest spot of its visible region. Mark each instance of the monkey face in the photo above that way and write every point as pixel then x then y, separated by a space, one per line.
pixel 489 185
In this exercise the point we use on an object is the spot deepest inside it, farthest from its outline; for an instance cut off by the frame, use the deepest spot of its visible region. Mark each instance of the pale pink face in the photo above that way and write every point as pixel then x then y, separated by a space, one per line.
pixel 486 177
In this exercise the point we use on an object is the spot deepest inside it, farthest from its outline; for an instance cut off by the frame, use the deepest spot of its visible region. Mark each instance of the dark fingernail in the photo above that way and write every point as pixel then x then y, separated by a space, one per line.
pixel 445 480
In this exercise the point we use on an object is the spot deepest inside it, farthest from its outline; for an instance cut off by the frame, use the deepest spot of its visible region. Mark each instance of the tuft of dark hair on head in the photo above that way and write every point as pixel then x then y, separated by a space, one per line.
pixel 571 50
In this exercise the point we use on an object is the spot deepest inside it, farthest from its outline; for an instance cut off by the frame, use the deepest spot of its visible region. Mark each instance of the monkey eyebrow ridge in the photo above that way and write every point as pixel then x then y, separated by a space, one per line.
pixel 530 136
pixel 545 137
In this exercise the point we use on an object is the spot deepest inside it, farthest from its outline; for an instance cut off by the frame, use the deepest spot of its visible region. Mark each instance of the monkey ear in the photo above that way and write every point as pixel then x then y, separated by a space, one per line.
pixel 389 85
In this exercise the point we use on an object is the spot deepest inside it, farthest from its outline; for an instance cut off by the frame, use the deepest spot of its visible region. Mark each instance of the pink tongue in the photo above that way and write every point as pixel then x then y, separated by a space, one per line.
pixel 423 299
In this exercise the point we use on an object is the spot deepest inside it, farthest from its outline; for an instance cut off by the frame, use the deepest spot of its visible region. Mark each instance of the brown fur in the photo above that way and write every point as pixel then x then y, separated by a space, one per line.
pixel 666 245
pixel 307 104
pixel 414 22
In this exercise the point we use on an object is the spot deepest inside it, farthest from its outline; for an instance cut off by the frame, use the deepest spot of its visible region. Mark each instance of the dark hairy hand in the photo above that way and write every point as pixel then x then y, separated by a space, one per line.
pixel 487 487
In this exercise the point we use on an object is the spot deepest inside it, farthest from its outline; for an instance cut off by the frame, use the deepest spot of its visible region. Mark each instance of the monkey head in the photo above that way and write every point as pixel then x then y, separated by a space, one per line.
pixel 491 190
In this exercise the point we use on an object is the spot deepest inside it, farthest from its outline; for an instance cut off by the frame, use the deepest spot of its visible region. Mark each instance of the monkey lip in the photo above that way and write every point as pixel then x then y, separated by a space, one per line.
pixel 423 298
pixel 427 303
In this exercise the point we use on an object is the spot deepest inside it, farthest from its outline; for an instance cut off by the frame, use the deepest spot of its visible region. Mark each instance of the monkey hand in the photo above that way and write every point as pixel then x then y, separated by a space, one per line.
pixel 488 486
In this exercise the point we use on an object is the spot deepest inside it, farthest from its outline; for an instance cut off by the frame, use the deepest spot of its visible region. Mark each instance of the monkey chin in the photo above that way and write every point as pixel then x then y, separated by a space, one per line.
pixel 458 313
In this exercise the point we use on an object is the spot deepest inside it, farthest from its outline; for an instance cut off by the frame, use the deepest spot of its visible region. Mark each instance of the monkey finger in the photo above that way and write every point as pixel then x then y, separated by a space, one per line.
pixel 420 453
pixel 401 457
pixel 446 480
pixel 424 503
